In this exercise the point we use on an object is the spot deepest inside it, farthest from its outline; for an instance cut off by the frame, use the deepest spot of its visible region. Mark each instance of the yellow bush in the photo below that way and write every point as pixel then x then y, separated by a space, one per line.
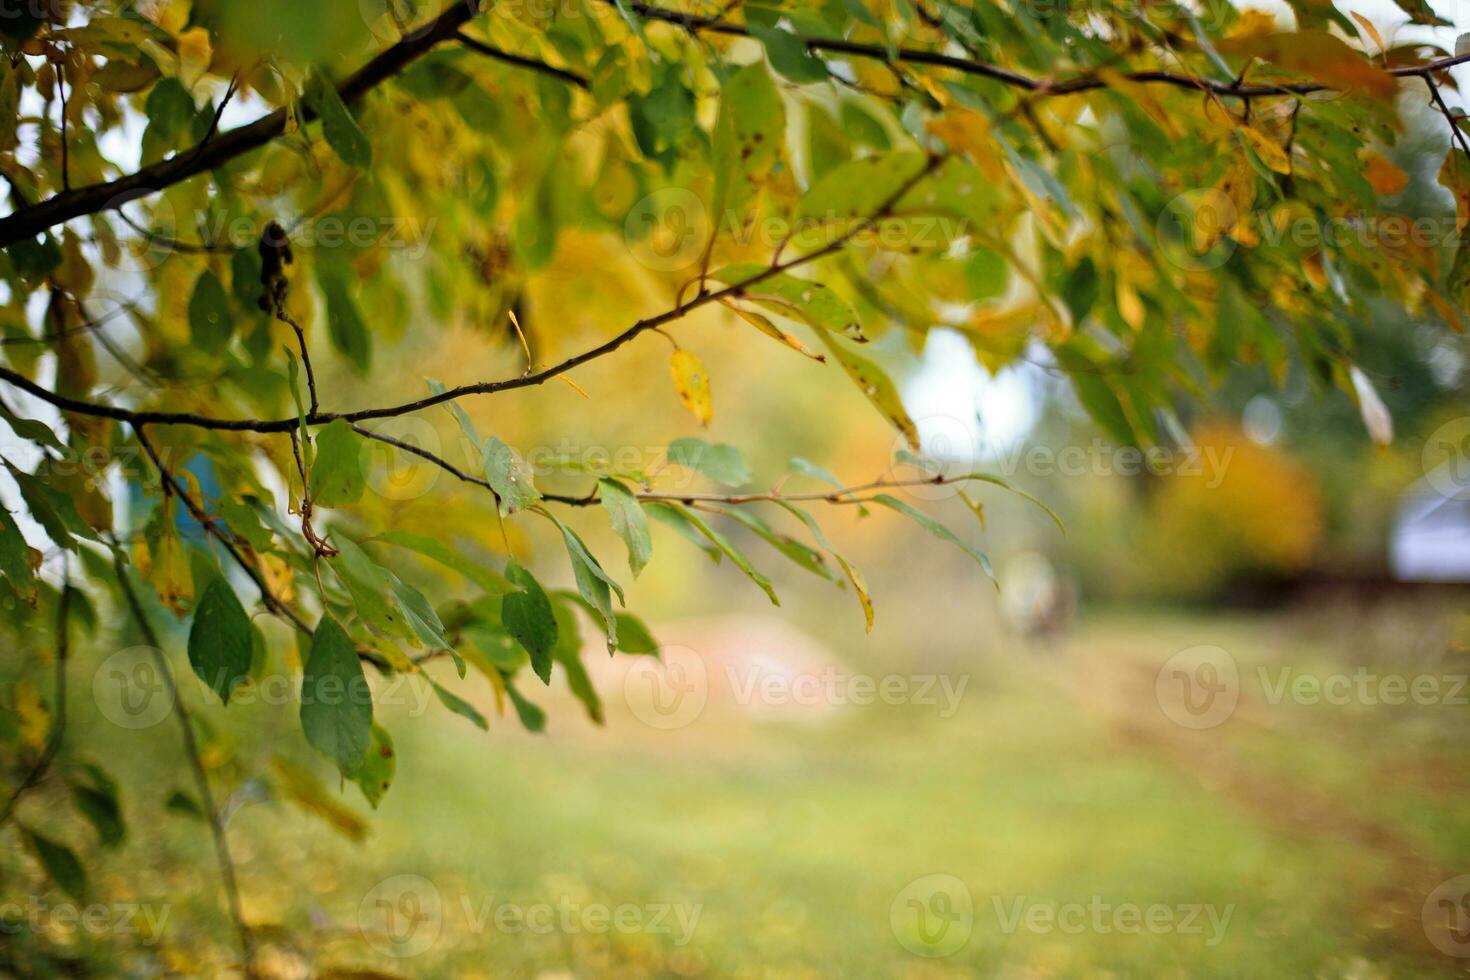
pixel 1255 513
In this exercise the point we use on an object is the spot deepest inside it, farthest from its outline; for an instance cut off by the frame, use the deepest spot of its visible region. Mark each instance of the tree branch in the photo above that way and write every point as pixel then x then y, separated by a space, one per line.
pixel 27 222
pixel 196 763
pixel 489 51
pixel 1042 87
pixel 735 291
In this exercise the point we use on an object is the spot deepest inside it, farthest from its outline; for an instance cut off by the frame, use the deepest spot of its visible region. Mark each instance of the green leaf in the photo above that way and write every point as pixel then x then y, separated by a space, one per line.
pixel 170 108
pixel 509 477
pixel 747 142
pixel 855 190
pixel 32 431
pixel 813 303
pixel 336 476
pixel 341 131
pixel 688 532
pixel 61 863
pixel 211 323
pixel 1024 495
pixel 344 322
pixel 219 639
pixel 634 636
pixel 788 54
pixel 460 415
pixel 460 706
pixel 15 555
pixel 533 719
pixel 853 573
pixel 54 510
pixel 807 557
pixel 628 521
pixel 874 382
pixel 375 774
pixel 421 618
pixel 593 584
pixel 100 806
pixel 721 542
pixel 528 616
pixel 935 528
pixel 336 702
pixel 492 582
pixel 721 463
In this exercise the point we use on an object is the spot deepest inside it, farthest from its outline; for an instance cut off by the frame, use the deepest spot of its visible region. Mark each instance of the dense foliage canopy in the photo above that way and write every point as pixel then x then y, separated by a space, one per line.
pixel 216 209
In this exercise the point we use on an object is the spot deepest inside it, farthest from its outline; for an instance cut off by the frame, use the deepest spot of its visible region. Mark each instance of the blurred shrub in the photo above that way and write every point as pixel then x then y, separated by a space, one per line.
pixel 1258 518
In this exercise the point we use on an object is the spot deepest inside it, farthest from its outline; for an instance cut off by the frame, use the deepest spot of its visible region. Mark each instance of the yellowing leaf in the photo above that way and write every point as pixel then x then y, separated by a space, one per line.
pixel 1252 23
pixel 765 326
pixel 195 53
pixel 1272 154
pixel 1384 175
pixel 1319 56
pixel 1130 306
pixel 691 382
pixel 1369 29
pixel 1455 174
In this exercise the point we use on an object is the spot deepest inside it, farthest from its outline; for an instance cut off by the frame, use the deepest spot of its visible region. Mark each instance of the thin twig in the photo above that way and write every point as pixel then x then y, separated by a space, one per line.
pixel 287 318
pixel 520 60
pixel 58 721
pixel 172 486
pixel 61 90
pixel 196 763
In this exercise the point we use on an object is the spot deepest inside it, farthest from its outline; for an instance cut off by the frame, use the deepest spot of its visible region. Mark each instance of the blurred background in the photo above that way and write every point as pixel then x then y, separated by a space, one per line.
pixel 1215 728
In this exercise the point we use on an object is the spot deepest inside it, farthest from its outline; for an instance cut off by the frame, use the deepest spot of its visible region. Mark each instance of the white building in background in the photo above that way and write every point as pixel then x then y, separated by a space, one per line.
pixel 1430 540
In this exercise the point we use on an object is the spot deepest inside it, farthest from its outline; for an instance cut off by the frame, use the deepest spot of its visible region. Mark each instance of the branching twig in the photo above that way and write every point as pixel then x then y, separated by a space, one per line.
pixel 58 722
pixel 172 486
pixel 196 763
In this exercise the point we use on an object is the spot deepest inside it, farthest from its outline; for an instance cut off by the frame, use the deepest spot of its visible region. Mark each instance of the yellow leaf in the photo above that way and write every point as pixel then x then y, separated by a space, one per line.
pixel 1312 268
pixel 966 131
pixel 1320 56
pixel 1369 29
pixel 1252 23
pixel 195 53
pixel 1272 154
pixel 691 381
pixel 768 328
pixel 1130 306
pixel 31 715
pixel 1384 175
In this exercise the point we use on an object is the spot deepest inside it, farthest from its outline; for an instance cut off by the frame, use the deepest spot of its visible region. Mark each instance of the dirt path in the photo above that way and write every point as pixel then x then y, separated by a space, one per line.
pixel 1117 685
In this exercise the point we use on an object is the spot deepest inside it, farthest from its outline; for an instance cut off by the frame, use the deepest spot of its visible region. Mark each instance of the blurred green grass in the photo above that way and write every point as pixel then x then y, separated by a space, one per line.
pixel 1318 829
pixel 793 840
